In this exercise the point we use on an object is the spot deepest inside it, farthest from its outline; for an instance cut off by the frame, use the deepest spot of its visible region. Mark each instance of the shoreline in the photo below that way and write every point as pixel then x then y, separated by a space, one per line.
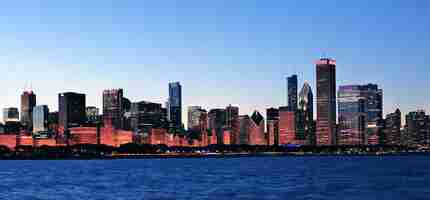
pixel 212 155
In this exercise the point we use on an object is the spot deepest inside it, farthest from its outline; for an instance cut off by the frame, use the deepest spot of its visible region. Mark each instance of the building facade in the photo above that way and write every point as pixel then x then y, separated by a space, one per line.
pixel 352 115
pixel 10 115
pixel 305 121
pixel 360 114
pixel 40 119
pixel 326 102
pixel 92 114
pixel 217 122
pixel 71 110
pixel 374 98
pixel 175 104
pixel 393 123
pixel 272 119
pixel 418 127
pixel 256 130
pixel 146 115
pixel 28 101
pixel 244 128
pixel 287 126
pixel 232 123
pixel 292 92
pixel 194 113
pixel 114 107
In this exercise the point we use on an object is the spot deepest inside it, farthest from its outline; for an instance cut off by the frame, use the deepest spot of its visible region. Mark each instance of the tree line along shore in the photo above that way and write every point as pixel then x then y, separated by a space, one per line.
pixel 131 150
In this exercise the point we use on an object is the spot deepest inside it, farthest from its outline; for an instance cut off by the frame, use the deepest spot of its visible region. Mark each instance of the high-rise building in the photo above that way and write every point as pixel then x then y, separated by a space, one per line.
pixel 10 115
pixel 272 118
pixel 114 107
pixel 53 122
pixel 360 114
pixel 244 128
pixel 146 115
pixel 198 123
pixel 305 121
pixel 232 123
pixel 352 115
pixel 232 114
pixel 374 97
pixel 256 130
pixel 326 102
pixel 306 101
pixel 40 119
pixel 287 126
pixel 194 113
pixel 93 114
pixel 393 123
pixel 175 104
pixel 292 92
pixel 71 110
pixel 417 127
pixel 28 101
pixel 217 121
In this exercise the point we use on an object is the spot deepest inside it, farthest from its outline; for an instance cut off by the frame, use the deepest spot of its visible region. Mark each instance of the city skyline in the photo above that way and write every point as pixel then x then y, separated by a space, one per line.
pixel 66 47
pixel 184 108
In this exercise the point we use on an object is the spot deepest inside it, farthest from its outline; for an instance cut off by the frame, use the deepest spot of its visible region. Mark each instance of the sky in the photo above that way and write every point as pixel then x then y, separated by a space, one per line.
pixel 223 52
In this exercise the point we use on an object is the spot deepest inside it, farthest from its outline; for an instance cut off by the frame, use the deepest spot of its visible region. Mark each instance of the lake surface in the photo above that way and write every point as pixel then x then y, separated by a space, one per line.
pixel 389 177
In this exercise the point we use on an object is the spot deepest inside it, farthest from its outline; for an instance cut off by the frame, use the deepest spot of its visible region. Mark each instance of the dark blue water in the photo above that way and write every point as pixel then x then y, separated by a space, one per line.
pixel 388 177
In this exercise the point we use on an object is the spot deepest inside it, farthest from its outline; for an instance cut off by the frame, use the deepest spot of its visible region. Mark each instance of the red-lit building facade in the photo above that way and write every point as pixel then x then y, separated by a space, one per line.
pixel 256 130
pixel 287 126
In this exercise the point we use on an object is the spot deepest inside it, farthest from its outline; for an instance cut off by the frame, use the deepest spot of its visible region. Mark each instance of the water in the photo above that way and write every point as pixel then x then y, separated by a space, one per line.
pixel 390 177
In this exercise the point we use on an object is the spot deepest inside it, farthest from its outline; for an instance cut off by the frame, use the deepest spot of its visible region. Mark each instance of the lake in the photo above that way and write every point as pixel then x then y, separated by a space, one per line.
pixel 307 177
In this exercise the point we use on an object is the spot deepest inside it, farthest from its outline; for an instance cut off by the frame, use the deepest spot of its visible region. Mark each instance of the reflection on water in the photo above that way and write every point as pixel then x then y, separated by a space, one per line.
pixel 388 177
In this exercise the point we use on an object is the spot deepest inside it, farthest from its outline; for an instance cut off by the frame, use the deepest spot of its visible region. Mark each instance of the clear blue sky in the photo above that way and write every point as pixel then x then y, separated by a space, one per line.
pixel 222 52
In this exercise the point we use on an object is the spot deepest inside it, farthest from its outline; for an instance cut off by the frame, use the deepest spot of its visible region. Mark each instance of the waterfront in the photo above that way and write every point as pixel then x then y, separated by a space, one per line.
pixel 310 177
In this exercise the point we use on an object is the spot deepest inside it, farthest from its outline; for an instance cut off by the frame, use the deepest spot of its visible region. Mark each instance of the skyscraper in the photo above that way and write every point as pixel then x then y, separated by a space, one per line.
pixel 232 123
pixel 113 107
pixel 256 129
pixel 217 121
pixel 53 122
pixel 292 92
pixel 175 104
pixel 10 114
pixel 306 101
pixel 305 121
pixel 244 128
pixel 374 96
pixel 194 113
pixel 360 114
pixel 71 110
pixel 272 117
pixel 326 102
pixel 352 115
pixel 232 114
pixel 40 118
pixel 393 123
pixel 417 127
pixel 287 126
pixel 28 101
pixel 146 115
